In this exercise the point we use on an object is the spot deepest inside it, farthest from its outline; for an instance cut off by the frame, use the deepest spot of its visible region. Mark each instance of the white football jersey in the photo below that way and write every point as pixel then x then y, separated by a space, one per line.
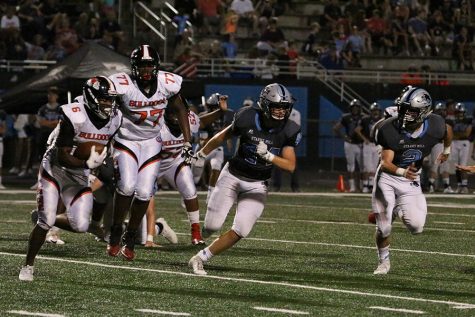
pixel 85 130
pixel 172 145
pixel 143 116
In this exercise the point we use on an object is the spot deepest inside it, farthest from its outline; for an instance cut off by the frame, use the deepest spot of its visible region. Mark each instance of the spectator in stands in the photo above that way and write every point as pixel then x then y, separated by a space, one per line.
pixel 209 10
pixel 230 22
pixel 417 27
pixel 55 52
pixel 313 40
pixel 412 76
pixel 111 26
pixel 352 8
pixel 271 38
pixel 330 58
pixel 380 32
pixel 357 42
pixel 348 56
pixel 47 118
pixel 265 11
pixel 447 9
pixel 229 46
pixel 35 49
pixel 82 26
pixel 31 19
pixel 246 12
pixel 65 34
pixel 438 30
pixel 93 30
pixel 49 9
pixel 10 20
pixel 400 30
pixel 16 47
pixel 462 50
pixel 331 14
pixel 339 41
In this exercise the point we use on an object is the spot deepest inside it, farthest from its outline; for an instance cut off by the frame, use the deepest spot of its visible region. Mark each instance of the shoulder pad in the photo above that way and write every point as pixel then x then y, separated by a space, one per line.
pixel 75 112
pixel 170 82
pixel 122 82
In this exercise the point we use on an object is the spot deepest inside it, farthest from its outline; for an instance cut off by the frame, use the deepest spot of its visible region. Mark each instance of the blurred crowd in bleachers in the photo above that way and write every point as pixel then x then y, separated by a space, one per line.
pixel 53 29
pixel 337 35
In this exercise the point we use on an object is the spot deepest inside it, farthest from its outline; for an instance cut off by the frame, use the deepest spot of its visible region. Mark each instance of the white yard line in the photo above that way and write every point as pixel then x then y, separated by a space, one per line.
pixel 449 222
pixel 252 281
pixel 284 311
pixel 266 221
pixel 399 310
pixel 162 312
pixel 27 313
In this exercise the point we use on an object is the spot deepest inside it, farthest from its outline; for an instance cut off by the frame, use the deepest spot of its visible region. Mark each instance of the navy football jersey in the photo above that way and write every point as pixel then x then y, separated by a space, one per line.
pixel 222 122
pixel 408 150
pixel 367 124
pixel 350 122
pixel 247 127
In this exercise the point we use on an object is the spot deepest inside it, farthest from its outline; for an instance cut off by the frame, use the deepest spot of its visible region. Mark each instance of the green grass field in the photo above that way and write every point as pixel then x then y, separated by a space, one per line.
pixel 308 255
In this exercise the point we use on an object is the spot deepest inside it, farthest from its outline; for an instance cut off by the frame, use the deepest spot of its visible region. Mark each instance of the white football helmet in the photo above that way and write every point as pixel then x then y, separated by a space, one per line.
pixel 414 105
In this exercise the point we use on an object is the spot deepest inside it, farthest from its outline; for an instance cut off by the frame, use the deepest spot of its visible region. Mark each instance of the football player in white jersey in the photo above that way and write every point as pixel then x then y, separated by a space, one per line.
pixel 173 167
pixel 62 175
pixel 144 95
pixel 266 138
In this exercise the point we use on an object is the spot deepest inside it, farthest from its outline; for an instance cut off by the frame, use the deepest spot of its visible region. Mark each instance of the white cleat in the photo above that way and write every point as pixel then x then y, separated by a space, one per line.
pixel 196 263
pixel 26 273
pixel 431 189
pixel 448 190
pixel 383 268
pixel 366 190
pixel 166 232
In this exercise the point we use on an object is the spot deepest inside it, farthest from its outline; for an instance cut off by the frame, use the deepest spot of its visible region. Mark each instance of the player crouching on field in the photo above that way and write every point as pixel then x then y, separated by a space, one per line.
pixel 405 140
pixel 64 176
pixel 266 138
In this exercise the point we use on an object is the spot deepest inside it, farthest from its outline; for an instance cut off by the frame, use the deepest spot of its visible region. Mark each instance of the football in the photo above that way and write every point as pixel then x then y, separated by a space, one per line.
pixel 83 150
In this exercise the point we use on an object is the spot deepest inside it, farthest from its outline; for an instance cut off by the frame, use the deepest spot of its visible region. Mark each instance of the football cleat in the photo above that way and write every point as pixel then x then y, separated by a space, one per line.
pixel 128 242
pixel 127 253
pixel 196 263
pixel 26 273
pixel 383 267
pixel 196 238
pixel 365 189
pixel 113 249
pixel 165 230
pixel 431 189
pixel 463 190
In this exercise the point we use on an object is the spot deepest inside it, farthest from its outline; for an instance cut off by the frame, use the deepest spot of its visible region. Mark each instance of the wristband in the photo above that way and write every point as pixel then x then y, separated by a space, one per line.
pixel 150 237
pixel 400 171
pixel 446 150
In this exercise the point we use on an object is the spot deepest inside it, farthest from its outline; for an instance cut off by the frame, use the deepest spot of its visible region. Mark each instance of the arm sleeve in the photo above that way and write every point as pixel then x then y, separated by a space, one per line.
pixel 66 133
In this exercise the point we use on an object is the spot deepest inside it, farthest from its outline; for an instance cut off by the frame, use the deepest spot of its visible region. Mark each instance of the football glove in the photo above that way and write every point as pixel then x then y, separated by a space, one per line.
pixel 261 150
pixel 199 159
pixel 187 153
pixel 95 159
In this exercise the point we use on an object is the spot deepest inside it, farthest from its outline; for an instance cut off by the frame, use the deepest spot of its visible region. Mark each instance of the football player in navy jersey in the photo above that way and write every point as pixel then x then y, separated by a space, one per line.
pixel 405 141
pixel 462 127
pixel 62 175
pixel 370 149
pixel 353 142
pixel 215 158
pixel 266 138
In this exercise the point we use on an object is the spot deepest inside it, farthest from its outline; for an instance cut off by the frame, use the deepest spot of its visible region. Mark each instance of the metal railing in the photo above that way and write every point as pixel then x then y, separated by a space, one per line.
pixel 157 23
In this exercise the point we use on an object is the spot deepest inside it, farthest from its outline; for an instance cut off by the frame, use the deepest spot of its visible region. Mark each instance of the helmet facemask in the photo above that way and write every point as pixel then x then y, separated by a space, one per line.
pixel 144 61
pixel 100 96
pixel 413 108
